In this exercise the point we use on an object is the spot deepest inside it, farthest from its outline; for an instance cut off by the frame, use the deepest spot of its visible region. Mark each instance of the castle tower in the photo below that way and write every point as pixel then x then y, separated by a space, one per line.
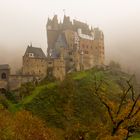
pixel 52 28
pixel 4 77
pixel 67 24
pixel 34 62
pixel 82 47
pixel 99 46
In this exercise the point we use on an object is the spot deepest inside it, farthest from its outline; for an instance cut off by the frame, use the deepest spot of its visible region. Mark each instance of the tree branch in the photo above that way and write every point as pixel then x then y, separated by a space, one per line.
pixel 132 109
pixel 125 94
pixel 122 100
pixel 97 87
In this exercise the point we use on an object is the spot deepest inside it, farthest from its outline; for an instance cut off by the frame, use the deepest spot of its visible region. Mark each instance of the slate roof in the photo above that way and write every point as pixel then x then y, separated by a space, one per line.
pixel 60 43
pixel 4 66
pixel 84 26
pixel 61 40
pixel 38 52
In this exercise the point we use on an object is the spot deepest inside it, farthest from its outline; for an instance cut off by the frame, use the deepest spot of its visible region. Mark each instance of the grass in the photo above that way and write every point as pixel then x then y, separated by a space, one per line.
pixel 79 75
pixel 135 137
pixel 28 99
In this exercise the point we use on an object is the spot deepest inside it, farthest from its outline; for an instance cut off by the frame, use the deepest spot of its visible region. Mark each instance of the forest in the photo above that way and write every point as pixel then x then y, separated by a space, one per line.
pixel 96 104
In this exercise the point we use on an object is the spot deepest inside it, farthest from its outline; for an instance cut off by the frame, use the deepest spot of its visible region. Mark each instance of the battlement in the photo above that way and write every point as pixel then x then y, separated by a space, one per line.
pixel 68 35
pixel 67 23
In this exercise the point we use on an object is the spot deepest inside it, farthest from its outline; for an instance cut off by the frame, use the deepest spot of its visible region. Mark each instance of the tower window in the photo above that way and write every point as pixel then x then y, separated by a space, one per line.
pixel 3 76
pixel 50 63
pixel 86 52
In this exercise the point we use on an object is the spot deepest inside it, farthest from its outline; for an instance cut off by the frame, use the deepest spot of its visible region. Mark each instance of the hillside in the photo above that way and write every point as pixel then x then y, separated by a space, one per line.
pixel 71 103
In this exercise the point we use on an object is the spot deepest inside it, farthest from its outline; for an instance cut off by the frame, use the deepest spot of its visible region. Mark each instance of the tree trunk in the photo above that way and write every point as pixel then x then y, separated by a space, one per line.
pixel 127 136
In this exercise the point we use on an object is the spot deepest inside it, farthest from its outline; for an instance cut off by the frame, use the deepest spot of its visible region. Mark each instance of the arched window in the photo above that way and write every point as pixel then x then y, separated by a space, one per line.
pixel 3 76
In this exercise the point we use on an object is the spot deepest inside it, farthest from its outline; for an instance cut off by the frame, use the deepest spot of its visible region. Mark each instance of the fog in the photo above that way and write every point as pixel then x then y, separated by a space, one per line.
pixel 24 21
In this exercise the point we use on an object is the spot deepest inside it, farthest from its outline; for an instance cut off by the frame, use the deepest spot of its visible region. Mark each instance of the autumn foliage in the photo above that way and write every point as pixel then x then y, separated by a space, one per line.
pixel 89 105
pixel 22 126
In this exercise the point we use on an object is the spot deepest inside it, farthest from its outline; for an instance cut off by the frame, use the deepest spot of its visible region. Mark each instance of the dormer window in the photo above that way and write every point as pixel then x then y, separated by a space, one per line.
pixel 31 55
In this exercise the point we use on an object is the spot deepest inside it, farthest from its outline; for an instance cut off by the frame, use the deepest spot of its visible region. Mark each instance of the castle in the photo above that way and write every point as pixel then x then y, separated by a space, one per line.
pixel 72 46
pixel 81 47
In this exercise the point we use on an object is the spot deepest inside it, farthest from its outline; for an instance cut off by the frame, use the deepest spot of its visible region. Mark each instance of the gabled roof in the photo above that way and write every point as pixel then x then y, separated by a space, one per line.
pixel 38 52
pixel 4 66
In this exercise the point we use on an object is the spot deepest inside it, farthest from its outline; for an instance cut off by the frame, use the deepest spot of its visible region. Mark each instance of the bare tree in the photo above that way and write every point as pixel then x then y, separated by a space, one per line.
pixel 123 114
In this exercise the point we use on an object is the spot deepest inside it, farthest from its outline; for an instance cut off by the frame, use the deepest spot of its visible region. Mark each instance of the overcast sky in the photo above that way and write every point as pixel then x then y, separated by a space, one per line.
pixel 24 21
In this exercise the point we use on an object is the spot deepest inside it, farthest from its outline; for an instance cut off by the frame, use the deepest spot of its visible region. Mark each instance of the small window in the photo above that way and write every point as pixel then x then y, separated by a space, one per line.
pixel 31 55
pixel 86 52
pixel 50 63
pixel 3 76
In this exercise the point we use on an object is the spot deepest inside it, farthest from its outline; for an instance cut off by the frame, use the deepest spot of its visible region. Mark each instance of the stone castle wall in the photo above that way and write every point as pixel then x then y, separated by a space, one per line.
pixel 34 66
pixel 59 69
pixel 15 81
pixel 56 67
pixel 3 84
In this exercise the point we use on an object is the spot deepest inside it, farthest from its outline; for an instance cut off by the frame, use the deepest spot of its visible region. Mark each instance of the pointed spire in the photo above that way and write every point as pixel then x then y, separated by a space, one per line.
pixel 64 10
pixel 49 21
pixel 30 44
pixel 55 22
